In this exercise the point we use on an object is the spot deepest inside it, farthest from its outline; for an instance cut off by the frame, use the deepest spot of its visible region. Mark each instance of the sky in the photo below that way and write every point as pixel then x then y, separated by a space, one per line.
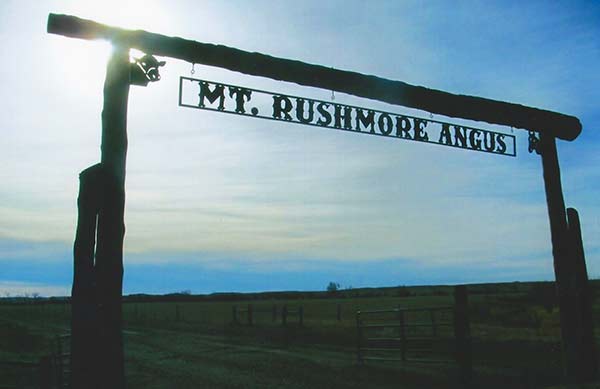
pixel 222 203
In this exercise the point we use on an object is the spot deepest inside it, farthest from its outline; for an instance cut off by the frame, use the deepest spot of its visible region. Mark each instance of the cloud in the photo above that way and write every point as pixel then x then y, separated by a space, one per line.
pixel 25 289
pixel 207 189
pixel 28 270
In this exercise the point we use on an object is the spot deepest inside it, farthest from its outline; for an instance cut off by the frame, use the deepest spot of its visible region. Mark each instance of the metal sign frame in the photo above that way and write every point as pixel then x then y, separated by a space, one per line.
pixel 346 117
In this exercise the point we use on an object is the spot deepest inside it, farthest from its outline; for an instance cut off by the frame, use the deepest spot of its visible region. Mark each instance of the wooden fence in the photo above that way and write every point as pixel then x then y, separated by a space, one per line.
pixel 287 312
pixel 62 361
pixel 20 374
pixel 49 372
pixel 250 312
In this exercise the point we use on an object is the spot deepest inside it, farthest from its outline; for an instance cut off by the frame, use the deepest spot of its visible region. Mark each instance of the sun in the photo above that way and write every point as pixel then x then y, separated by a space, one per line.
pixel 83 63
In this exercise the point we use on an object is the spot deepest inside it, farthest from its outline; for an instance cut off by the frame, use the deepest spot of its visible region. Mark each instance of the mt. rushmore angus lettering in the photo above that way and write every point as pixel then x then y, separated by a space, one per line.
pixel 214 96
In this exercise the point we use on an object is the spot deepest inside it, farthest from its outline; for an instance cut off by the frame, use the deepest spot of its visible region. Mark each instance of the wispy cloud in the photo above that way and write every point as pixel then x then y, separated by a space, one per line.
pixel 24 289
pixel 205 189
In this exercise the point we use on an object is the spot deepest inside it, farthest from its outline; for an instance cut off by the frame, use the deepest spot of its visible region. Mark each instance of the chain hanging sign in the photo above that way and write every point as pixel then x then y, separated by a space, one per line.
pixel 220 97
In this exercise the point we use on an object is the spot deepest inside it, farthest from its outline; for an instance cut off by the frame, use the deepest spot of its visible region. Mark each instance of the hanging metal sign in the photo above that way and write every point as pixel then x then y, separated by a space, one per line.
pixel 220 97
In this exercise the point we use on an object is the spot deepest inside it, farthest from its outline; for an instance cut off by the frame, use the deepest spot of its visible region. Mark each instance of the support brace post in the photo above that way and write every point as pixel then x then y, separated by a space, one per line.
pixel 587 365
pixel 565 264
pixel 83 294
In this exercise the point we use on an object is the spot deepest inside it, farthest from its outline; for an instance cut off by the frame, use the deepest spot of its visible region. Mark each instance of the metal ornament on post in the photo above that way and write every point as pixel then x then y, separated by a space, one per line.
pixel 144 70
pixel 534 143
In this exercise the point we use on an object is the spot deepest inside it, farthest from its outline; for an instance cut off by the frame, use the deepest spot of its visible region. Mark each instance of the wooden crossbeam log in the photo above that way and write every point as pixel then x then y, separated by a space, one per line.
pixel 394 92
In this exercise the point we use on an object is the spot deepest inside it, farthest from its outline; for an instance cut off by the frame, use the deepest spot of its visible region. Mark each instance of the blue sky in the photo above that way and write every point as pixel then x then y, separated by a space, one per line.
pixel 222 203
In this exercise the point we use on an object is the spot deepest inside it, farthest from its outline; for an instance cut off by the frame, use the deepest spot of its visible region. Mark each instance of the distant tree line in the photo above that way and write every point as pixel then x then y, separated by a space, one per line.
pixel 539 293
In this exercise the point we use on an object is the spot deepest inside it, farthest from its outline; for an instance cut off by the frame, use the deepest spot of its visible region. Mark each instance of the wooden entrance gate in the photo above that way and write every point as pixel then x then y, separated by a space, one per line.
pixel 97 345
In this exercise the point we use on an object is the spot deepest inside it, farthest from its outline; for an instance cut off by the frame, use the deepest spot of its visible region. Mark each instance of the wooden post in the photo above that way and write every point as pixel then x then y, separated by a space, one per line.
pixel 249 314
pixel 83 294
pixel 433 324
pixel 60 365
pixel 564 264
pixel 45 372
pixel 462 335
pixel 96 327
pixel 284 313
pixel 358 338
pixel 402 334
pixel 111 228
pixel 587 364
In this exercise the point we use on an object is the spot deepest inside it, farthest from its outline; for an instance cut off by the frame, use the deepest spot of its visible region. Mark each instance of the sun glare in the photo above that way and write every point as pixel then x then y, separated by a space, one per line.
pixel 91 58
pixel 129 14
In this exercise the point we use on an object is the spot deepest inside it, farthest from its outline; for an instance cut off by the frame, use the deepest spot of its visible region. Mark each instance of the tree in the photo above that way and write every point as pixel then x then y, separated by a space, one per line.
pixel 333 287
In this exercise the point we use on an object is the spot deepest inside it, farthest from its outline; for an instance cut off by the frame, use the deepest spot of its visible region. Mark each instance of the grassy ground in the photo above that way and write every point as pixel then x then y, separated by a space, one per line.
pixel 195 344
pixel 222 362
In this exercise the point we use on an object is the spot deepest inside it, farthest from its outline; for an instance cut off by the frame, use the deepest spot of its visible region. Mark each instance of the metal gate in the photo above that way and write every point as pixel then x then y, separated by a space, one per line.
pixel 406 335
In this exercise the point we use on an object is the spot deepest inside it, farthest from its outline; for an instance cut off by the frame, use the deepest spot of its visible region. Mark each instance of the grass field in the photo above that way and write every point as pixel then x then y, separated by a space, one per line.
pixel 191 344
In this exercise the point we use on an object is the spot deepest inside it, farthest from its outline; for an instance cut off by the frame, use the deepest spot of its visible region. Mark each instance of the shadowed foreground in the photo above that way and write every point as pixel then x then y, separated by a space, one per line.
pixel 193 342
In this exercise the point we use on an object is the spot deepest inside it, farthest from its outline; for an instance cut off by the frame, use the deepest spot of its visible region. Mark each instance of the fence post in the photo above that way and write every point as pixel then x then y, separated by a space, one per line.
pixel 284 313
pixel 177 317
pixel 433 324
pixel 301 315
pixel 358 338
pixel 45 372
pixel 234 314
pixel 462 334
pixel 339 312
pixel 587 369
pixel 249 314
pixel 59 363
pixel 402 334
pixel 274 313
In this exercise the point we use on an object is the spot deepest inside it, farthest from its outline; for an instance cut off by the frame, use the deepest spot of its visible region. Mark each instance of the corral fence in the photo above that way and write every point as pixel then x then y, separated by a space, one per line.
pixel 137 315
pixel 49 372
pixel 248 314
pixel 21 374
pixel 287 312
pixel 421 335
pixel 62 361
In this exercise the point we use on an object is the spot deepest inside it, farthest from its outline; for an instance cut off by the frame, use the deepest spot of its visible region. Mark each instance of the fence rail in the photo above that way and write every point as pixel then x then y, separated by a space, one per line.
pixel 52 371
pixel 250 311
pixel 22 374
pixel 62 360
pixel 396 335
